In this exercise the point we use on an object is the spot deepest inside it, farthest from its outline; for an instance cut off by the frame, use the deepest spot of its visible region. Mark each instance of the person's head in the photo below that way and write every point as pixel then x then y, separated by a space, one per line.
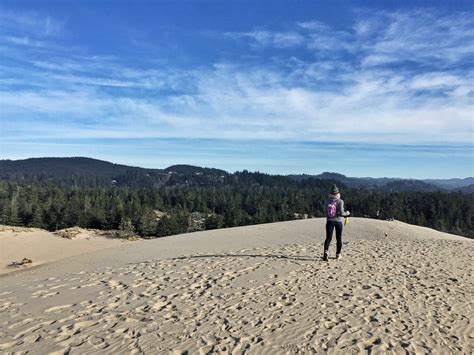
pixel 335 191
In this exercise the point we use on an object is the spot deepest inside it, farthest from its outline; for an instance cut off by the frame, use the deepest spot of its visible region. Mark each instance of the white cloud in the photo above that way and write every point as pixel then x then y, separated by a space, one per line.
pixel 314 26
pixel 421 36
pixel 34 23
pixel 269 38
pixel 321 95
pixel 23 41
pixel 231 102
pixel 436 80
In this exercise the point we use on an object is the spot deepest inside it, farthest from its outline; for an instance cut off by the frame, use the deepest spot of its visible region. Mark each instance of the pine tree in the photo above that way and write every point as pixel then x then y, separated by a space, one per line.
pixel 3 212
pixel 13 217
pixel 37 217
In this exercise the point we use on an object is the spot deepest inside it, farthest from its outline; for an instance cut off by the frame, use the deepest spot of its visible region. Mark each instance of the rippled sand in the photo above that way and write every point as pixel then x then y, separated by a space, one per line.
pixel 409 292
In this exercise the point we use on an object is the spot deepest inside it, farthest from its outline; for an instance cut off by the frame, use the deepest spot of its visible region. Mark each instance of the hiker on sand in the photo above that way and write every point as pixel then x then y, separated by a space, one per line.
pixel 334 213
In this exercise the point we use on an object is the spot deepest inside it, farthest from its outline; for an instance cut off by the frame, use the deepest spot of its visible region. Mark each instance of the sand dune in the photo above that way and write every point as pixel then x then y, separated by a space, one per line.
pixel 42 246
pixel 258 289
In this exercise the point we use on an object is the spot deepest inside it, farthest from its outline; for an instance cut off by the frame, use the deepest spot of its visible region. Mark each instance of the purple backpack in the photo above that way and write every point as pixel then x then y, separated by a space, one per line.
pixel 331 208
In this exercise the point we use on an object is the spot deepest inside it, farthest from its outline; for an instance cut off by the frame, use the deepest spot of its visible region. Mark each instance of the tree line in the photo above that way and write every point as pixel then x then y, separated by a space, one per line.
pixel 242 199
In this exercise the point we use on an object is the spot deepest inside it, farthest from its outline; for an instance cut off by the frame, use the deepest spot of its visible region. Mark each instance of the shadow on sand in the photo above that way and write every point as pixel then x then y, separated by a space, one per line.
pixel 268 256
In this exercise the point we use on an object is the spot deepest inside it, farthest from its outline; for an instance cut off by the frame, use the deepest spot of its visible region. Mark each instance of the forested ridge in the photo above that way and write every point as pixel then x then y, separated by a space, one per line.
pixel 183 198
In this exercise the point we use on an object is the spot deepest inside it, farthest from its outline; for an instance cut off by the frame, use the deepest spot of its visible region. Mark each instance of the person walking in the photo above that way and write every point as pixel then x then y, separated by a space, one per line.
pixel 334 215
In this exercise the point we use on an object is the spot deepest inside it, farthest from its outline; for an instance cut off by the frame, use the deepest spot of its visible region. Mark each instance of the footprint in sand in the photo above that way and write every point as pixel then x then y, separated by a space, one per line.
pixel 57 308
pixel 97 341
pixel 160 305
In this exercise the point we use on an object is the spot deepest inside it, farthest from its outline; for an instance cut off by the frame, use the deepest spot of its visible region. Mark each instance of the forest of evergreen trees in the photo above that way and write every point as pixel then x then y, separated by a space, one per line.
pixel 224 201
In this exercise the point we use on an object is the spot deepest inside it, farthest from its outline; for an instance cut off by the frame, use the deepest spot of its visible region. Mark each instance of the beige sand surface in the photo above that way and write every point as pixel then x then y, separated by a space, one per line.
pixel 258 289
pixel 42 246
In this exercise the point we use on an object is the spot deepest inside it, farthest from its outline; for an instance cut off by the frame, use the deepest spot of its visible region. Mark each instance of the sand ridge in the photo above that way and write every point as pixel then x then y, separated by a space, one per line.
pixel 403 295
pixel 41 246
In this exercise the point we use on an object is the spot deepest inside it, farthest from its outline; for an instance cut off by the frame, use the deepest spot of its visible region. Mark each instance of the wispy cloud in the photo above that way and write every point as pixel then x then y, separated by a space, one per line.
pixel 321 84
pixel 31 22
pixel 423 36
pixel 419 36
pixel 23 41
pixel 270 38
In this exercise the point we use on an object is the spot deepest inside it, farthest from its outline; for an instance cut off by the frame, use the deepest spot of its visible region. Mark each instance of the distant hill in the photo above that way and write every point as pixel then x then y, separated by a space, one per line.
pixel 451 184
pixel 191 169
pixel 63 192
pixel 465 189
pixel 78 171
pixel 82 171
pixel 194 175
pixel 350 181
pixel 409 185
pixel 384 184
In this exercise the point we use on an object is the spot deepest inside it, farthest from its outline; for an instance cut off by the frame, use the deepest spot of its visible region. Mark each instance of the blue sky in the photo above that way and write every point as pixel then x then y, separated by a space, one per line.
pixel 375 88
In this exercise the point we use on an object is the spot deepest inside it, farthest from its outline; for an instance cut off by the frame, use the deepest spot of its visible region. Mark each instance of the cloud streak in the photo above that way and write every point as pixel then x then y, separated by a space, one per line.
pixel 423 37
pixel 34 23
pixel 269 38
pixel 399 77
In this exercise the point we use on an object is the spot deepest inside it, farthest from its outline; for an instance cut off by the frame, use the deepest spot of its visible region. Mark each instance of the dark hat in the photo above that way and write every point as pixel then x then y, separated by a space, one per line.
pixel 334 190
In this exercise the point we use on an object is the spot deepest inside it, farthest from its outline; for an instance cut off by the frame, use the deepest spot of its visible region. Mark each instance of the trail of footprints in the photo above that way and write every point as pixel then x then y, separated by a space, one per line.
pixel 386 298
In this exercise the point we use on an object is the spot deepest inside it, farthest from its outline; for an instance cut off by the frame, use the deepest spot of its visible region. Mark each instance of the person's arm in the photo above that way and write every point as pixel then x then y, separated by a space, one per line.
pixel 341 211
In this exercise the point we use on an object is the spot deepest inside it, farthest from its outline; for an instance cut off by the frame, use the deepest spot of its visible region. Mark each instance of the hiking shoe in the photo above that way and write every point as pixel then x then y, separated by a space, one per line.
pixel 325 257
pixel 338 256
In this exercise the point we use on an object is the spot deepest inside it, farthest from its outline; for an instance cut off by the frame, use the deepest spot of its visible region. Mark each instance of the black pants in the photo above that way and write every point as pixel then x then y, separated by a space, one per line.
pixel 330 225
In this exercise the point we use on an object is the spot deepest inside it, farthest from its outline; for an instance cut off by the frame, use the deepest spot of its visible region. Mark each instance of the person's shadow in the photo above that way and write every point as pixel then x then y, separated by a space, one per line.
pixel 267 256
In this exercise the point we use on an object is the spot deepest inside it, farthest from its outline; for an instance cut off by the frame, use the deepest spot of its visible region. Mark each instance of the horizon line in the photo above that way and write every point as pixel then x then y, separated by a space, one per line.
pixel 235 171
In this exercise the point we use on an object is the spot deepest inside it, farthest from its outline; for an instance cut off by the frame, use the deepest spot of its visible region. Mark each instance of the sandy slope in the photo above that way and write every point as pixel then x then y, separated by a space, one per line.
pixel 42 247
pixel 258 289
